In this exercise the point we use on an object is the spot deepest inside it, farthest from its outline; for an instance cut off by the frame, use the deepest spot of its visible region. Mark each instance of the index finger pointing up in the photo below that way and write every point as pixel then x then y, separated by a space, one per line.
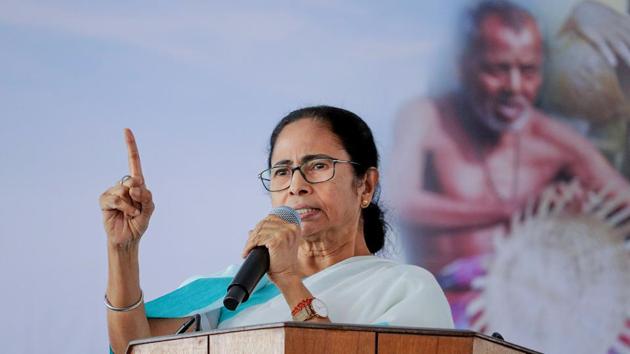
pixel 135 169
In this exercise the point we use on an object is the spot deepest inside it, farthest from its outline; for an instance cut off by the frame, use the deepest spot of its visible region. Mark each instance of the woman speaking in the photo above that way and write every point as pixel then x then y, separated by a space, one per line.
pixel 323 163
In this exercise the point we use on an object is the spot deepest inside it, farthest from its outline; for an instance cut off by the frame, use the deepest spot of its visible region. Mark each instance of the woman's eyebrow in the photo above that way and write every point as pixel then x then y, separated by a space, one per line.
pixel 305 158
pixel 283 163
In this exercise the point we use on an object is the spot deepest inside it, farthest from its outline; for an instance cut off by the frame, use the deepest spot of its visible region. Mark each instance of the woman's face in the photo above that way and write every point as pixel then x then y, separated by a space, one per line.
pixel 328 208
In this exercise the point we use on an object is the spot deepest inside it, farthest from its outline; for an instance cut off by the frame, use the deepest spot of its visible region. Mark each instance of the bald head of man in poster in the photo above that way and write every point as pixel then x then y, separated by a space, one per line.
pixel 465 162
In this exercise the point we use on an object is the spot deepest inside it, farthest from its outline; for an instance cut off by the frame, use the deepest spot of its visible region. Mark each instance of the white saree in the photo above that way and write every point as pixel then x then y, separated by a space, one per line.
pixel 359 290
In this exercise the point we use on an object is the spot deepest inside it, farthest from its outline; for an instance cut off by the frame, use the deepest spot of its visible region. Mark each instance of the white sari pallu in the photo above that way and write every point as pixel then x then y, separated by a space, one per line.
pixel 364 290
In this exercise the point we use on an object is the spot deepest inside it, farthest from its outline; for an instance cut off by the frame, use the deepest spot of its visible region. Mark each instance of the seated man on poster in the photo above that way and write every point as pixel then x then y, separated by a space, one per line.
pixel 464 163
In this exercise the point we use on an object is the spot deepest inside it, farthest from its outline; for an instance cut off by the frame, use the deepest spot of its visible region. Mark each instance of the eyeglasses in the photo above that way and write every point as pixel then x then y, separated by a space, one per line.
pixel 279 178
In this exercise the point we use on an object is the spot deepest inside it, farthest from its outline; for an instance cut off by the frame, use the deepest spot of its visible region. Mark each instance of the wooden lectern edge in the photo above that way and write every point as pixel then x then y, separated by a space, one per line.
pixel 337 326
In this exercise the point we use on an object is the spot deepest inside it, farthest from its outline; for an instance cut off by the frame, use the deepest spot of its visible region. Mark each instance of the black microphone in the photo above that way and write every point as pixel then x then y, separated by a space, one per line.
pixel 255 266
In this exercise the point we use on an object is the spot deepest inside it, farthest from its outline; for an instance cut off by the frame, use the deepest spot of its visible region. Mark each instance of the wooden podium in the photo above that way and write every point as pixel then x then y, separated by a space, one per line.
pixel 312 338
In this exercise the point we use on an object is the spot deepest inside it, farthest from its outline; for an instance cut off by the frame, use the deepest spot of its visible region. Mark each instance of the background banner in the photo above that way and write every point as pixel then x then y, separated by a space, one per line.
pixel 509 180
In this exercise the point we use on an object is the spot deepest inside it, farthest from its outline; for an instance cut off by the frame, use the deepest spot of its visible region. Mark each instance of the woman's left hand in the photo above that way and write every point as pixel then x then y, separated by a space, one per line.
pixel 282 240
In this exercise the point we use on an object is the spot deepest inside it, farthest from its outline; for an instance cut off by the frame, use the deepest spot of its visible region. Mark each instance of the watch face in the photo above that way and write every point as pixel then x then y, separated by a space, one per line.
pixel 319 307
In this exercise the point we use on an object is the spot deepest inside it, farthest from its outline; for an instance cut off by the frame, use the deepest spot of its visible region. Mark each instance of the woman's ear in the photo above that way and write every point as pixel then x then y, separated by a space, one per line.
pixel 370 181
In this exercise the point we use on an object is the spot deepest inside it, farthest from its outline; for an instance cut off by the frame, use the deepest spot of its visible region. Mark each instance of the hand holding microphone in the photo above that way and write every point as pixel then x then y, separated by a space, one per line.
pixel 271 247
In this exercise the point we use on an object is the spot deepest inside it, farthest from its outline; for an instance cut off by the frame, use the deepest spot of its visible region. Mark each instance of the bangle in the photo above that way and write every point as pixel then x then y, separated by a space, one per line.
pixel 124 309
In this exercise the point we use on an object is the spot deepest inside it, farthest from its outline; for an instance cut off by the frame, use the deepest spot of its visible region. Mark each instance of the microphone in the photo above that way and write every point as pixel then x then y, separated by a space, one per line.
pixel 255 266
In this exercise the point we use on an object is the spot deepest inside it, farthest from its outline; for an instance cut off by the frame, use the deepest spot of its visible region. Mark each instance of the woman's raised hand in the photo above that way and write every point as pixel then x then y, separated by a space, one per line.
pixel 128 205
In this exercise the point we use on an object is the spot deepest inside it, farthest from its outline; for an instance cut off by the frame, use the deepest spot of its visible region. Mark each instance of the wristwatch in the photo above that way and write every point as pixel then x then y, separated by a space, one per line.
pixel 309 309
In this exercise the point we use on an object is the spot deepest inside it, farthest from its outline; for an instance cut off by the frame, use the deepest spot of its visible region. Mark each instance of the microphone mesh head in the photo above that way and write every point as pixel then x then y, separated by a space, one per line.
pixel 287 214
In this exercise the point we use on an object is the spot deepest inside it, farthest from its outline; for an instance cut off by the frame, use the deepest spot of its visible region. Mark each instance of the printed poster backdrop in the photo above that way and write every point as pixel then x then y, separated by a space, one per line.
pixel 511 179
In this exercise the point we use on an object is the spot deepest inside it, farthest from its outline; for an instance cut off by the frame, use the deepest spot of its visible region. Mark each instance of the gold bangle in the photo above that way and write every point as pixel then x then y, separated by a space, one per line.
pixel 124 309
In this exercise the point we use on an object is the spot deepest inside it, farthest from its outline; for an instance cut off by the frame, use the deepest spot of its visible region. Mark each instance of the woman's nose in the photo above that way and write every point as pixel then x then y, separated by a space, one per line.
pixel 299 185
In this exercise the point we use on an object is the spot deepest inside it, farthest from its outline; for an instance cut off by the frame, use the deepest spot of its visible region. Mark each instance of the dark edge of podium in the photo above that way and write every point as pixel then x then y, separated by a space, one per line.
pixel 343 327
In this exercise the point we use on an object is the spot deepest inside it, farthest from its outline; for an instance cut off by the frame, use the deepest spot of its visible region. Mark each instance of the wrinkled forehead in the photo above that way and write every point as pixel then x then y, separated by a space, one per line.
pixel 305 138
pixel 497 35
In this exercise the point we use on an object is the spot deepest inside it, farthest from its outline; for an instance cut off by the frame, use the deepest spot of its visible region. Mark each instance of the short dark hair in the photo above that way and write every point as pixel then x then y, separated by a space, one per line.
pixel 510 14
pixel 357 139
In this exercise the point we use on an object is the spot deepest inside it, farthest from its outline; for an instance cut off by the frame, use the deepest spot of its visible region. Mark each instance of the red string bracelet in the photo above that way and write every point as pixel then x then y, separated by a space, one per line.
pixel 301 305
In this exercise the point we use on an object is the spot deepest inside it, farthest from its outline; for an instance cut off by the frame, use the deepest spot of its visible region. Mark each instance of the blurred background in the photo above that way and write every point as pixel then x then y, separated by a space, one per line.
pixel 202 86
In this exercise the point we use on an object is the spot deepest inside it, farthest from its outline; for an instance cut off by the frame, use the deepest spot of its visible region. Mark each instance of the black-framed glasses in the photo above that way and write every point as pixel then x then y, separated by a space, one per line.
pixel 278 178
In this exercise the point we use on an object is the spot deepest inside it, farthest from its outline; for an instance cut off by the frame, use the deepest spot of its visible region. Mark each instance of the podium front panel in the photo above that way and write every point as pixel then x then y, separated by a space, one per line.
pixel 192 345
pixel 263 341
pixel 391 343
pixel 333 341
pixel 313 338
